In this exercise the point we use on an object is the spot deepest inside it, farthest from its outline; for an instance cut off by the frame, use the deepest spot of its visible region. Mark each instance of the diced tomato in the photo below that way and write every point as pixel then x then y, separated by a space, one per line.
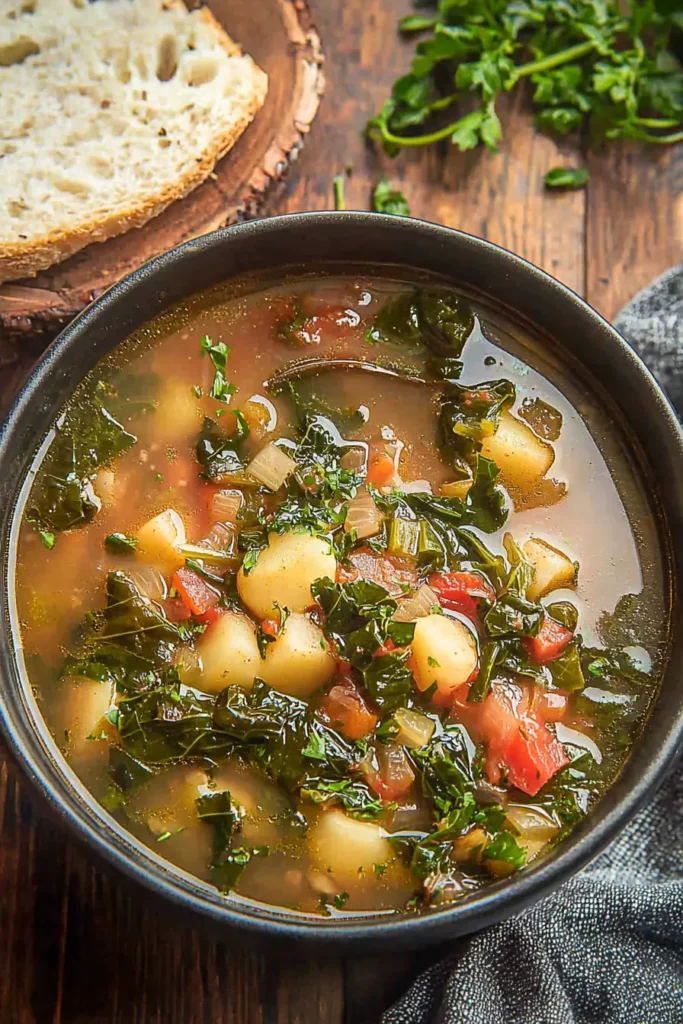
pixel 271 627
pixel 365 564
pixel 194 592
pixel 176 610
pixel 549 642
pixel 211 615
pixel 462 591
pixel 393 776
pixel 513 729
pixel 346 710
pixel 381 471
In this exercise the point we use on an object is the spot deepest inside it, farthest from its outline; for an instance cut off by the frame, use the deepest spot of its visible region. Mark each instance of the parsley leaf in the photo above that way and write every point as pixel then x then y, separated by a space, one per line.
pixel 566 177
pixel 221 389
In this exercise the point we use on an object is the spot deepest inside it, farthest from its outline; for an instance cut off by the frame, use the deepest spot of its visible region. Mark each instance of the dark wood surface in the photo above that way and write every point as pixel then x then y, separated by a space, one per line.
pixel 76 945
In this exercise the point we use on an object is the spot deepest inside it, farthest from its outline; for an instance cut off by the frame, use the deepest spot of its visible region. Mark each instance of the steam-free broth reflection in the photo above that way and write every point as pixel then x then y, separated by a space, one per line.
pixel 333 593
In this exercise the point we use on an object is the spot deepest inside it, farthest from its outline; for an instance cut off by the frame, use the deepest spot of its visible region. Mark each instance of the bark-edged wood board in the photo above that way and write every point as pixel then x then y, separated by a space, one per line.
pixel 281 38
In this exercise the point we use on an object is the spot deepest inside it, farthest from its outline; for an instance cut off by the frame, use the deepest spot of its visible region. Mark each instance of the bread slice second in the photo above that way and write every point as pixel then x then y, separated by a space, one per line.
pixel 112 110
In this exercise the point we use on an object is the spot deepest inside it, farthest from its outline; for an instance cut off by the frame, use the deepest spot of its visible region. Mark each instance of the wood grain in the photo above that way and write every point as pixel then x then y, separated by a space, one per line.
pixel 634 223
pixel 78 945
pixel 289 51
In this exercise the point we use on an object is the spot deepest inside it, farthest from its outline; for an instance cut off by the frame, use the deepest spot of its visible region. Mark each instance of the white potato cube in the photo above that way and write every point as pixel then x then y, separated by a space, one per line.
pixel 552 568
pixel 229 654
pixel 158 541
pixel 178 413
pixel 284 573
pixel 83 705
pixel 299 661
pixel 444 652
pixel 346 848
pixel 522 458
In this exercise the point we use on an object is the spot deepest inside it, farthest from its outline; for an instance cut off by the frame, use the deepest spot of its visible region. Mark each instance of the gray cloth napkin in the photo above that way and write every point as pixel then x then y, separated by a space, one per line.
pixel 607 947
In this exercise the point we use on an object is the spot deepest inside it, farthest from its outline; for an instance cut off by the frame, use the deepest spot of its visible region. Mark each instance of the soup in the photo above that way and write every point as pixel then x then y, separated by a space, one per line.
pixel 342 594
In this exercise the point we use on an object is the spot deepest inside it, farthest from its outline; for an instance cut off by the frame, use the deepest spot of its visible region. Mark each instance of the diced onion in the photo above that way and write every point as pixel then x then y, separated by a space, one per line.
pixel 457 488
pixel 415 730
pixel 531 822
pixel 189 666
pixel 225 506
pixel 417 487
pixel 417 606
pixel 271 467
pixel 469 848
pixel 354 459
pixel 149 582
pixel 363 516
pixel 223 537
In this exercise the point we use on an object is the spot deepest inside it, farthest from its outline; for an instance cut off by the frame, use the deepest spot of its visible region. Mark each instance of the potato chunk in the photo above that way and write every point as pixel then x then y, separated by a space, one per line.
pixel 178 413
pixel 346 848
pixel 158 541
pixel 299 661
pixel 552 568
pixel 284 573
pixel 444 652
pixel 229 654
pixel 83 704
pixel 522 458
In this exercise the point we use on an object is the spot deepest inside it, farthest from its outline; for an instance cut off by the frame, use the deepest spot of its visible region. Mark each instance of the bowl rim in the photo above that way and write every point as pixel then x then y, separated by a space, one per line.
pixel 78 809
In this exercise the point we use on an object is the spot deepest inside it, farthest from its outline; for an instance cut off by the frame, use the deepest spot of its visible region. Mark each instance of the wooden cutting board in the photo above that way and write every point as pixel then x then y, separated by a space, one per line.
pixel 280 37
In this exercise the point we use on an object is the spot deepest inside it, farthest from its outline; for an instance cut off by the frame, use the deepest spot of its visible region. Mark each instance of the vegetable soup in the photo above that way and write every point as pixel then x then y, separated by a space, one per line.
pixel 345 594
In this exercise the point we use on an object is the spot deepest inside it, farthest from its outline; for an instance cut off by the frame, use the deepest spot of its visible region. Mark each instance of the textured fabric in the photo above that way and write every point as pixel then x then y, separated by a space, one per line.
pixel 607 946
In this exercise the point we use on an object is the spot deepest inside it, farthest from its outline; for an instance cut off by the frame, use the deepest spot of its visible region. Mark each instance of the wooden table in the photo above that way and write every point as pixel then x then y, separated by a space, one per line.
pixel 76 944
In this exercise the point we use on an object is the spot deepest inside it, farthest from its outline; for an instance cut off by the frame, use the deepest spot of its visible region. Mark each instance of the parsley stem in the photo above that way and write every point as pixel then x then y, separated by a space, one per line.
pixel 666 139
pixel 572 53
pixel 657 122
pixel 417 140
pixel 339 203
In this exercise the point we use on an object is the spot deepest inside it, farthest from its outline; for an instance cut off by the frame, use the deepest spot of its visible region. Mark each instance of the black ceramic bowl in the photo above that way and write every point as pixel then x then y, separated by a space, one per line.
pixel 503 280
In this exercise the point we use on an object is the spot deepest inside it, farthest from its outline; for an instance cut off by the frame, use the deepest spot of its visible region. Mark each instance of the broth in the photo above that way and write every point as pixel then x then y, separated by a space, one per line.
pixel 440 694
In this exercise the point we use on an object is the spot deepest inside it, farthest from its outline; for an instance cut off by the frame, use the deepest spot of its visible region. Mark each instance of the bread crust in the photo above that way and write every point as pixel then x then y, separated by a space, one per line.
pixel 26 259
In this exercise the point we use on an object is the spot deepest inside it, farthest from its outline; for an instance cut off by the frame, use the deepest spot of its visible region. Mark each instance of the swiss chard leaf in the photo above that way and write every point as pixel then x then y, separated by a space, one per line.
pixel 279 733
pixel 126 640
pixel 161 725
pixel 388 680
pixel 512 615
pixel 219 452
pixel 354 796
pixel 442 323
pixel 87 437
pixel 227 861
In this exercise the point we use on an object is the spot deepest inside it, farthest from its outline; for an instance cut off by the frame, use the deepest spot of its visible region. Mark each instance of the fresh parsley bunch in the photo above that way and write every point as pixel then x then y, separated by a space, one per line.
pixel 589 62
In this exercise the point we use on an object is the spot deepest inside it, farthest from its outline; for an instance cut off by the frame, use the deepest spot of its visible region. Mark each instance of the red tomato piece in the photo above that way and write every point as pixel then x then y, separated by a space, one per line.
pixel 194 592
pixel 513 729
pixel 462 591
pixel 366 565
pixel 346 710
pixel 211 615
pixel 393 776
pixel 271 627
pixel 176 610
pixel 549 642
pixel 381 471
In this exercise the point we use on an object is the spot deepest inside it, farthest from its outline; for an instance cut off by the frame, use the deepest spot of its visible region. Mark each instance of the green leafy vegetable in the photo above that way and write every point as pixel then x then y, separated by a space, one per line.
pixel 603 64
pixel 48 538
pixel 120 544
pixel 504 847
pixel 219 452
pixel 228 861
pixel 388 680
pixel 441 323
pixel 354 796
pixel 221 388
pixel 566 177
pixel 86 438
pixel 513 615
pixel 282 735
pixel 386 199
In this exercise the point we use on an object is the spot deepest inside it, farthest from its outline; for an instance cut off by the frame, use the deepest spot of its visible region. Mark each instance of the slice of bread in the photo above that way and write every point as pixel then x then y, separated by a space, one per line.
pixel 109 111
